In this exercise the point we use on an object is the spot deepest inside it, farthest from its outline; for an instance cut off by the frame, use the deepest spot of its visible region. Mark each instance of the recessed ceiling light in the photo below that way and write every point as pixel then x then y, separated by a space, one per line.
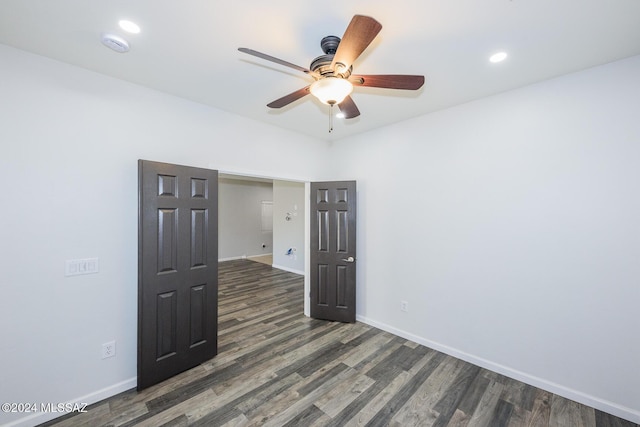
pixel 340 115
pixel 129 27
pixel 498 57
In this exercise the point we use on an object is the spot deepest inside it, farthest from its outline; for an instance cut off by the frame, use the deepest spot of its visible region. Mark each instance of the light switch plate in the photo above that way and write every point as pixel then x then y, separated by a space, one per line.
pixel 75 267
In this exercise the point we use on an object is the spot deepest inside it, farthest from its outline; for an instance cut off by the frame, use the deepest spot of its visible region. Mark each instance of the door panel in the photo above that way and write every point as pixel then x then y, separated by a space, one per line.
pixel 167 240
pixel 333 250
pixel 342 232
pixel 199 232
pixel 166 326
pixel 177 269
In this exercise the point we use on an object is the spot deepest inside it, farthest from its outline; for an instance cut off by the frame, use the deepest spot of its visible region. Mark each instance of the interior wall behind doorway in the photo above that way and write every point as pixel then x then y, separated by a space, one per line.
pixel 241 232
pixel 289 215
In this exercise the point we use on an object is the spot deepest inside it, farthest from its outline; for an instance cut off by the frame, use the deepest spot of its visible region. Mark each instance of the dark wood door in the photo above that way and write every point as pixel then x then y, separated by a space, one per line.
pixel 177 269
pixel 333 250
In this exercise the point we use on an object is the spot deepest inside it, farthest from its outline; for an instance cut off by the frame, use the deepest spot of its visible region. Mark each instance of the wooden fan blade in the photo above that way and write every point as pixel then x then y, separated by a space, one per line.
pixel 349 108
pixel 278 61
pixel 389 81
pixel 358 35
pixel 288 99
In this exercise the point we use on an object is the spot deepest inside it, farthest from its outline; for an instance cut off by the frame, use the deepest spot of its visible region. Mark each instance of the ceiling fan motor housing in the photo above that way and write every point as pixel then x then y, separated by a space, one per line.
pixel 322 64
pixel 329 44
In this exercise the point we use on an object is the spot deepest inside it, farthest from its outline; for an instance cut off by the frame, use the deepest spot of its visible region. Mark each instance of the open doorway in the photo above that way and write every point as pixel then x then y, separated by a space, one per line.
pixel 246 206
pixel 263 220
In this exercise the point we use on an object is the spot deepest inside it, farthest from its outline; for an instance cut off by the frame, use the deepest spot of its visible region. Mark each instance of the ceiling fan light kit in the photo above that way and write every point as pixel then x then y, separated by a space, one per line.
pixel 334 83
pixel 331 90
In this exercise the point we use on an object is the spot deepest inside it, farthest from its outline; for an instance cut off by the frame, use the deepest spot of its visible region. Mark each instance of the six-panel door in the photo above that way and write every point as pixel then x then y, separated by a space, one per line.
pixel 333 250
pixel 178 269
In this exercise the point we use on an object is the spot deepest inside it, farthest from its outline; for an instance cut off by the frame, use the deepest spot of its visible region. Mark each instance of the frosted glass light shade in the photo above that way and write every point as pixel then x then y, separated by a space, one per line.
pixel 331 90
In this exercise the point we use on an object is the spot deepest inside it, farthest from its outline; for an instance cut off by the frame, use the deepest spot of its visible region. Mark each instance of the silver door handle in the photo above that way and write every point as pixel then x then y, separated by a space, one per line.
pixel 350 259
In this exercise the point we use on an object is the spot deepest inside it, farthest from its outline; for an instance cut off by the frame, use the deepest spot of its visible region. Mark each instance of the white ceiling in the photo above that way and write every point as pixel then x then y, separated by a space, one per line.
pixel 188 48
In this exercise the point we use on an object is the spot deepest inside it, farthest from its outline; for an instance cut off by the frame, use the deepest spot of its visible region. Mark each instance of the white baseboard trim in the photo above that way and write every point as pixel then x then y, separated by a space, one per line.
pixel 575 395
pixel 258 256
pixel 290 270
pixel 89 399
pixel 233 258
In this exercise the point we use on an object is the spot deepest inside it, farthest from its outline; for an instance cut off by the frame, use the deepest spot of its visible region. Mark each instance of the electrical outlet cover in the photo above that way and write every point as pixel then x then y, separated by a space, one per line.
pixel 108 349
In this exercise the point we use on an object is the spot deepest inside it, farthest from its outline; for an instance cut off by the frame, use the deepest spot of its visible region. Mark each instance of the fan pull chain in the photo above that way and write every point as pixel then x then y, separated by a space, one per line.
pixel 330 118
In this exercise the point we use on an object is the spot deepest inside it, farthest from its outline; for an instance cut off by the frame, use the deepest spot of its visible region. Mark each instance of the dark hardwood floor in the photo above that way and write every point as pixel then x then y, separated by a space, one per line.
pixel 276 367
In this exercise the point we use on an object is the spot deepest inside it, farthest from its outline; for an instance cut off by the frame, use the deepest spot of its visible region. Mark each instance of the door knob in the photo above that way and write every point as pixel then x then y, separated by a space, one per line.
pixel 350 259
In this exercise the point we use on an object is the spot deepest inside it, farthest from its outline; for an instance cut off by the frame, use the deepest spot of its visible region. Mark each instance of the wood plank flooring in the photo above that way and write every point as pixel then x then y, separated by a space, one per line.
pixel 264 259
pixel 276 367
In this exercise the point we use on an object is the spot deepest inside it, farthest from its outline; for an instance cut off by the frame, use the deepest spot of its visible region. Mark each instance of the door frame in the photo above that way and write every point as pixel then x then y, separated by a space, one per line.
pixel 307 221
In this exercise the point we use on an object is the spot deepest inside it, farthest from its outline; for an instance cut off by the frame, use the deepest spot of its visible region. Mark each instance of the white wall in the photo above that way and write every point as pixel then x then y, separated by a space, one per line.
pixel 289 198
pixel 70 143
pixel 511 225
pixel 240 218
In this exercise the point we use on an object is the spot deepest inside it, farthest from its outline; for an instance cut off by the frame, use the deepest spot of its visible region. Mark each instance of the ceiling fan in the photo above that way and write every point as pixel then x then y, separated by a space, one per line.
pixel 332 71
